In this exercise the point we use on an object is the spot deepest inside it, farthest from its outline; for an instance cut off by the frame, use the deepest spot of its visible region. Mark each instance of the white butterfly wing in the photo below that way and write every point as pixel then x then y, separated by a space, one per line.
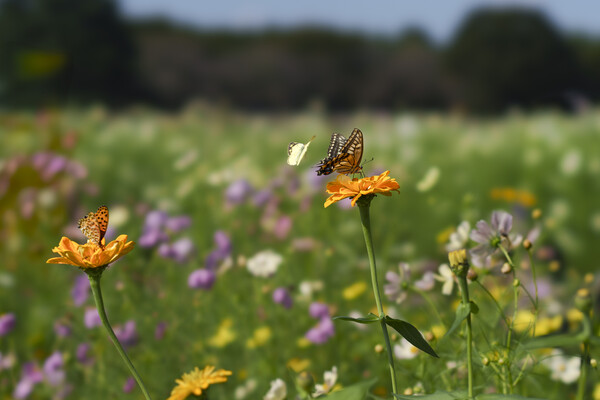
pixel 296 152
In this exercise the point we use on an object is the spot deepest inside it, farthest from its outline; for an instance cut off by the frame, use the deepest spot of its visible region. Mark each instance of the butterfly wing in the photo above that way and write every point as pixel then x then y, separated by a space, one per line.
pixel 353 148
pixel 102 221
pixel 327 165
pixel 296 151
pixel 89 228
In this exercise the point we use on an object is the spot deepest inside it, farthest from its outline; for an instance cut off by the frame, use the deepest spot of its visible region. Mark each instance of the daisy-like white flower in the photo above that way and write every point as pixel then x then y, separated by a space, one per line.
pixel 395 290
pixel 278 390
pixel 564 369
pixel 446 277
pixel 459 238
pixel 405 350
pixel 264 263
pixel 426 282
pixel 329 380
pixel 491 238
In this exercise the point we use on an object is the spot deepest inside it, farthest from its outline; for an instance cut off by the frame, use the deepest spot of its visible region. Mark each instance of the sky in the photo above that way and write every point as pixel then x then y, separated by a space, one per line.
pixel 439 18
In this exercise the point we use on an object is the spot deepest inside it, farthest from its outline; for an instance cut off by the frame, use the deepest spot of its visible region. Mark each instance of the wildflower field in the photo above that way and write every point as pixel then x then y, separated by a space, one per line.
pixel 238 265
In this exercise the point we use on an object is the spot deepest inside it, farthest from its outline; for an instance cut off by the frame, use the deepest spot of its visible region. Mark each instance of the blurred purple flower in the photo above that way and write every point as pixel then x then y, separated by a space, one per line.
pixel 129 385
pixel 76 170
pixel 223 250
pixel 316 182
pixel 53 369
pixel 82 354
pixel 293 185
pixel 30 376
pixel 80 290
pixel 91 318
pixel 127 334
pixel 201 279
pixel 61 328
pixel 152 237
pixel 427 282
pixel 155 220
pixel 318 310
pixel 282 296
pixel 54 166
pixel 262 197
pixel 395 290
pixel 490 238
pixel 177 224
pixel 160 330
pixel 238 192
pixel 182 249
pixel 7 323
pixel 344 205
pixel 27 200
pixel 282 227
pixel 322 332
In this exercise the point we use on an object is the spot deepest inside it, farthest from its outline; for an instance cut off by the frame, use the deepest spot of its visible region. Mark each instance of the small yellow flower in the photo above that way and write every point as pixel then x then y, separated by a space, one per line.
pixel 344 187
pixel 197 381
pixel 354 291
pixel 225 334
pixel 298 364
pixel 261 336
pixel 90 255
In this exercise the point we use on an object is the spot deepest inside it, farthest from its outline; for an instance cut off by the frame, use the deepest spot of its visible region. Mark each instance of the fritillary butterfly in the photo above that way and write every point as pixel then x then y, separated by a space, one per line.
pixel 94 225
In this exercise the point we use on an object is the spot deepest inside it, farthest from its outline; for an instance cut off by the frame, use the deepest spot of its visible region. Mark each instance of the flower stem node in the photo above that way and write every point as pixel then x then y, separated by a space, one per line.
pixel 583 300
pixel 458 262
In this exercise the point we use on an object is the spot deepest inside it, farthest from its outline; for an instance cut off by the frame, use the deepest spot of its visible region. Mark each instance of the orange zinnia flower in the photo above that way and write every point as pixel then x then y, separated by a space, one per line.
pixel 197 381
pixel 344 187
pixel 90 255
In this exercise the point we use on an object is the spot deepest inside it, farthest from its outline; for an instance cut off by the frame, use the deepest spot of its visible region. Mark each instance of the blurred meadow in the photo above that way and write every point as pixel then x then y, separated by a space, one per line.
pixel 237 263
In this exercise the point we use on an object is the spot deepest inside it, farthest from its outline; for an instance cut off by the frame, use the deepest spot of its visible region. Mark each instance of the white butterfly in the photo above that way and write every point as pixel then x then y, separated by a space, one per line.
pixel 296 151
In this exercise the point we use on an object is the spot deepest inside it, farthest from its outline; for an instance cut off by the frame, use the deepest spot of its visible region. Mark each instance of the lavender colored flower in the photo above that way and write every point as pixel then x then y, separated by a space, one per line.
pixel 238 192
pixel 282 227
pixel 30 376
pixel 177 224
pixel 7 323
pixel 201 279
pixel 395 290
pixel 159 332
pixel 91 318
pixel 182 249
pixel 129 385
pixel 223 250
pixel 262 197
pixel 127 334
pixel 318 310
pixel 80 290
pixel 53 369
pixel 155 220
pixel 62 328
pixel 54 166
pixel 427 282
pixel 82 354
pixel 282 296
pixel 491 238
pixel 152 237
pixel 322 332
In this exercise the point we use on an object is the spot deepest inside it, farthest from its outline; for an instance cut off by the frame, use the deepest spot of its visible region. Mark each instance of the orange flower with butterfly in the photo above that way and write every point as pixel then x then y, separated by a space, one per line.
pixel 95 253
pixel 343 155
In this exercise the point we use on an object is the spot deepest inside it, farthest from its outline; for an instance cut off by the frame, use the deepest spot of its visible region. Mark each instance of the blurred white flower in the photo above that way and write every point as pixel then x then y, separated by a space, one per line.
pixel 242 391
pixel 429 180
pixel 571 162
pixel 405 350
pixel 307 288
pixel 564 369
pixel 447 277
pixel 459 238
pixel 395 290
pixel 329 380
pixel 264 263
pixel 278 390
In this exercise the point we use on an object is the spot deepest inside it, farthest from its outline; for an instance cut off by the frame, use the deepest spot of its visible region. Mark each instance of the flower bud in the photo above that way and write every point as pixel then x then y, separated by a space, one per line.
pixel 593 363
pixel 506 268
pixel 583 300
pixel 485 361
pixel 305 381
pixel 378 348
pixel 408 392
pixel 536 214
pixel 458 262
pixel 527 244
pixel 472 275
pixel 516 283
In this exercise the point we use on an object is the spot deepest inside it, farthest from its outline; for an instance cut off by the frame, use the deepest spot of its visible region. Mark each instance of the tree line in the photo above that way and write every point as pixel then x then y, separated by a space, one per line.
pixel 74 52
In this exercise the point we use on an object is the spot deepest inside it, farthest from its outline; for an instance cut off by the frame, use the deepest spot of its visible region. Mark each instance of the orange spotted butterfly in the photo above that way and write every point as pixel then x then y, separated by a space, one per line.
pixel 94 225
pixel 343 156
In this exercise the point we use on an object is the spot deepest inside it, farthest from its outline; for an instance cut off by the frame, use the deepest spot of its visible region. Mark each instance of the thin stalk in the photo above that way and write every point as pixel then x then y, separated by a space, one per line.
pixel 430 303
pixel 97 292
pixel 585 357
pixel 512 322
pixel 365 220
pixel 464 291
pixel 536 303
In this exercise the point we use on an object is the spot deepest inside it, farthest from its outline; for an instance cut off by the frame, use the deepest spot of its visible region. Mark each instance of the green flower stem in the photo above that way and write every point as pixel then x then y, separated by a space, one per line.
pixel 365 220
pixel 585 360
pixel 536 303
pixel 464 291
pixel 431 304
pixel 509 379
pixel 97 292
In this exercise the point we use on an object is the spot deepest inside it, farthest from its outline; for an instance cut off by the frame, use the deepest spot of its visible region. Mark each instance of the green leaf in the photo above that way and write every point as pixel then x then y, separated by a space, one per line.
pixel 411 334
pixel 369 319
pixel 495 396
pixel 595 340
pixel 462 312
pixel 563 340
pixel 357 391
pixel 458 395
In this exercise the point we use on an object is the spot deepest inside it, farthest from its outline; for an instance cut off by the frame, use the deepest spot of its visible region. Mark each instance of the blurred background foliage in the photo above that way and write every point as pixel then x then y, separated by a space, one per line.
pixel 71 52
